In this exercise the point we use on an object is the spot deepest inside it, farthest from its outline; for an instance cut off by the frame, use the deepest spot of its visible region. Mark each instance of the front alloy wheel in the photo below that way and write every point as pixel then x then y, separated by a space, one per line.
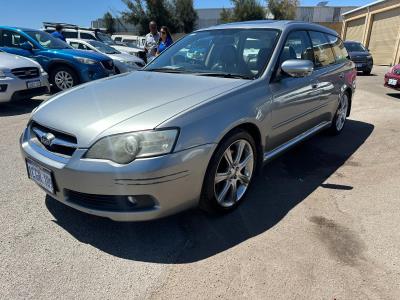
pixel 63 80
pixel 229 173
pixel 341 115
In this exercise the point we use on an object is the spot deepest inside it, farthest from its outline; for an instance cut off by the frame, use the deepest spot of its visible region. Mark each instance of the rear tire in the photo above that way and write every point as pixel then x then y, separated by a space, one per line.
pixel 63 78
pixel 367 73
pixel 230 173
pixel 339 120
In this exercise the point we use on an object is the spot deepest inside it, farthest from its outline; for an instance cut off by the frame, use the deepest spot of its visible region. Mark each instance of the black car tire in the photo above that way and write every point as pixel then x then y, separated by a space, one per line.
pixel 67 70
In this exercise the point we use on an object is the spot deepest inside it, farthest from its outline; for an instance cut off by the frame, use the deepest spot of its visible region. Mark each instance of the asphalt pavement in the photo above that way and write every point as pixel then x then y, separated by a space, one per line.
pixel 321 222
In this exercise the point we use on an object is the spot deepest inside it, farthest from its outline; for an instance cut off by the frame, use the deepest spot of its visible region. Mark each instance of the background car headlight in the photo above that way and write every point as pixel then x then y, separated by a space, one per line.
pixel 124 148
pixel 85 60
pixel 2 74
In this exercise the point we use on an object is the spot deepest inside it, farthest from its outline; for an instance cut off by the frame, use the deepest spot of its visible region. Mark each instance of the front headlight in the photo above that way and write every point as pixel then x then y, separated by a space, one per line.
pixel 2 74
pixel 124 148
pixel 369 56
pixel 85 60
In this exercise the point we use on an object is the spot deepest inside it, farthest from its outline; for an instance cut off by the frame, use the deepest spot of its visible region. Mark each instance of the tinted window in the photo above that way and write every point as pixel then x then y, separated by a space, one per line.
pixel 103 47
pixel 70 34
pixel 46 40
pixel 12 39
pixel 87 36
pixel 323 52
pixel 354 47
pixel 338 48
pixel 118 39
pixel 297 46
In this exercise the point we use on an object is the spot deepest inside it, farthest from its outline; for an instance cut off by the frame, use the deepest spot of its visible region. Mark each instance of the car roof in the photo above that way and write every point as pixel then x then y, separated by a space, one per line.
pixel 17 28
pixel 272 24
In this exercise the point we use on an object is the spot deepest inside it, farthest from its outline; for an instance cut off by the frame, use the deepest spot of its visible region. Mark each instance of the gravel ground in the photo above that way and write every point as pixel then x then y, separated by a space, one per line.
pixel 322 222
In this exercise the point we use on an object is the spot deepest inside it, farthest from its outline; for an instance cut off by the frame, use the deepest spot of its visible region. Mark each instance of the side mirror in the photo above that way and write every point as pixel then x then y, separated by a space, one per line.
pixel 298 67
pixel 26 46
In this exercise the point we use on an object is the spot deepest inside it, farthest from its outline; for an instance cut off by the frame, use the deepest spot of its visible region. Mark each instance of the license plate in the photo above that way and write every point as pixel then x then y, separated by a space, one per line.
pixel 40 175
pixel 33 84
pixel 392 81
pixel 359 65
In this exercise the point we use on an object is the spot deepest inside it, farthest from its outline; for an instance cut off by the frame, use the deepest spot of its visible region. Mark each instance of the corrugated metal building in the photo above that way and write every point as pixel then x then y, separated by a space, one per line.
pixel 377 26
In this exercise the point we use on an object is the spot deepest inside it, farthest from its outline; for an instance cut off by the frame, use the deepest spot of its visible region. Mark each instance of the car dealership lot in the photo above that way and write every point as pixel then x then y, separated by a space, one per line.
pixel 322 222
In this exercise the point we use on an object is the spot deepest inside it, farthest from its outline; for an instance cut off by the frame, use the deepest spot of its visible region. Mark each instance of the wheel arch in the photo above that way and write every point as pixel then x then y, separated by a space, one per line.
pixel 59 63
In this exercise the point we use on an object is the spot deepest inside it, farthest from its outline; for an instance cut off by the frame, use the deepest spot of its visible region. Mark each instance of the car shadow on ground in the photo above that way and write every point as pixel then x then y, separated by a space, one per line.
pixel 192 236
pixel 394 95
pixel 20 107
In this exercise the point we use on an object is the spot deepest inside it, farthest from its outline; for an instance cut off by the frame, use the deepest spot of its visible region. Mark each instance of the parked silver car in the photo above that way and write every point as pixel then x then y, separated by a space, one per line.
pixel 197 127
pixel 123 62
pixel 21 78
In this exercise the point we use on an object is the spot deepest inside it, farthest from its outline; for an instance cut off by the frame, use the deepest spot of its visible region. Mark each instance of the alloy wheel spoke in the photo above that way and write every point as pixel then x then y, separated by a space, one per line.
pixel 246 161
pixel 221 177
pixel 241 146
pixel 234 197
pixel 228 157
pixel 244 179
pixel 223 193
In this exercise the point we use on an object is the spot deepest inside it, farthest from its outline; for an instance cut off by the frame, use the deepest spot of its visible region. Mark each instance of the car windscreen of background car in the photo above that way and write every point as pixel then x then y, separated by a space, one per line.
pixel 103 47
pixel 47 41
pixel 243 52
pixel 354 47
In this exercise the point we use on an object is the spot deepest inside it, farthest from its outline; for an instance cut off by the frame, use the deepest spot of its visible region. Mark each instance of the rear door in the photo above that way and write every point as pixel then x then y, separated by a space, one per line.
pixel 294 99
pixel 11 42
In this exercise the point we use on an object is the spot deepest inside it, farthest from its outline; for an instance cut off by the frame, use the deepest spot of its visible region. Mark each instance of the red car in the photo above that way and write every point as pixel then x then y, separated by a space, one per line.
pixel 392 78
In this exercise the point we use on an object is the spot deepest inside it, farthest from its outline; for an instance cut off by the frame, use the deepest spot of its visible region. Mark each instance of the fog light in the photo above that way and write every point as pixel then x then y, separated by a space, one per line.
pixel 3 87
pixel 132 200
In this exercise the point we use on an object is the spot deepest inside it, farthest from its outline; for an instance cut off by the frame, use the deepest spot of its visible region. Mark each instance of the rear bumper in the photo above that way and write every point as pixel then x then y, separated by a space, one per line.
pixel 165 184
pixel 12 88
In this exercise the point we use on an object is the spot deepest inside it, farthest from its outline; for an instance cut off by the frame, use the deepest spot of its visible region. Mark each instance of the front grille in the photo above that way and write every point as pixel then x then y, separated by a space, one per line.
pixel 25 73
pixel 54 141
pixel 110 203
pixel 108 64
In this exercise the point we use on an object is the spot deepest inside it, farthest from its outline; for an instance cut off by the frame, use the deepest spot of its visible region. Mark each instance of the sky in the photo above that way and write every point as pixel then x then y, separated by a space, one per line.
pixel 31 13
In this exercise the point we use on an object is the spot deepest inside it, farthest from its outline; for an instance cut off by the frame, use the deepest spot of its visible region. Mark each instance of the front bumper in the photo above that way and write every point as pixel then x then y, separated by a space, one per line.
pixel 94 72
pixel 395 77
pixel 363 66
pixel 16 88
pixel 173 182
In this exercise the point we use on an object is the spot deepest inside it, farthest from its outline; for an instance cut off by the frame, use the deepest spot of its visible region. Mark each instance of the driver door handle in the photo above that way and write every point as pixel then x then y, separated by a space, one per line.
pixel 341 75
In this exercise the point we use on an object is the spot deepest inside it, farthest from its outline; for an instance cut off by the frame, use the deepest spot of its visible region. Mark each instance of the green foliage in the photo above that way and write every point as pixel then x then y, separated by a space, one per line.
pixel 185 15
pixel 177 15
pixel 109 22
pixel 243 10
pixel 283 9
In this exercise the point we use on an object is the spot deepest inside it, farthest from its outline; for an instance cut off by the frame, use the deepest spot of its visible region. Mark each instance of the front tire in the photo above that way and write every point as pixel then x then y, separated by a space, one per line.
pixel 341 115
pixel 229 173
pixel 63 78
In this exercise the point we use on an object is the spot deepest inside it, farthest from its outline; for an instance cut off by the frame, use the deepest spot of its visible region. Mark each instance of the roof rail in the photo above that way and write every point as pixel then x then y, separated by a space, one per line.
pixel 68 26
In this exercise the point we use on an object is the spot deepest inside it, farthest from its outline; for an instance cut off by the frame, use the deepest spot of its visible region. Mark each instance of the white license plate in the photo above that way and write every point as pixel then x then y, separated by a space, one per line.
pixel 359 65
pixel 40 175
pixel 33 84
pixel 392 81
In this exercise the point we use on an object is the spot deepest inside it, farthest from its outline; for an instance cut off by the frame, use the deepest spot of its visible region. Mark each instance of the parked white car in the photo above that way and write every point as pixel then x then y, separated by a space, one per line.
pixel 21 78
pixel 130 40
pixel 71 31
pixel 123 62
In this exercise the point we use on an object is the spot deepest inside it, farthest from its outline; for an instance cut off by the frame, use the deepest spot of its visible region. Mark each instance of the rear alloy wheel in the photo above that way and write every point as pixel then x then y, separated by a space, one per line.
pixel 230 173
pixel 63 78
pixel 341 115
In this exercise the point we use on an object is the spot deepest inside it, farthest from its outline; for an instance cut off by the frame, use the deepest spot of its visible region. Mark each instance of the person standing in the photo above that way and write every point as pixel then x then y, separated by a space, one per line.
pixel 58 33
pixel 152 38
pixel 165 40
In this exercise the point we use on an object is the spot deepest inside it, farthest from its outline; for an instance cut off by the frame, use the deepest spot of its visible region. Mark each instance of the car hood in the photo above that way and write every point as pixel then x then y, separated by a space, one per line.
pixel 12 61
pixel 126 49
pixel 126 57
pixel 127 102
pixel 81 53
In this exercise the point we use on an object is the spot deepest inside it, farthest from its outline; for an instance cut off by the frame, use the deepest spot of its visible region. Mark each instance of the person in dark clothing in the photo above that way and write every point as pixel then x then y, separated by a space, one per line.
pixel 58 33
pixel 165 40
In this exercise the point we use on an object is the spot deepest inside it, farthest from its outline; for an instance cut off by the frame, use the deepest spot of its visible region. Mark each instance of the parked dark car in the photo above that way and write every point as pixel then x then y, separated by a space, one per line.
pixel 392 78
pixel 360 55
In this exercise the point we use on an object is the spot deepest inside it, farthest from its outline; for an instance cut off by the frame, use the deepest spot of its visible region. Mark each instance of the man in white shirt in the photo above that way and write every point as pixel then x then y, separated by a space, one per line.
pixel 152 39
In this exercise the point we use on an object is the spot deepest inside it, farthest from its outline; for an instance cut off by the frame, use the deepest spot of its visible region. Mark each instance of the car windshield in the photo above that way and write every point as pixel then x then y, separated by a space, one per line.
pixel 231 53
pixel 354 47
pixel 47 41
pixel 105 38
pixel 103 48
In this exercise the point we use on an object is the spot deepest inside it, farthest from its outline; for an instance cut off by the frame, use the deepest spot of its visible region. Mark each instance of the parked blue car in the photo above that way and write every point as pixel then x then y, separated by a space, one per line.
pixel 66 66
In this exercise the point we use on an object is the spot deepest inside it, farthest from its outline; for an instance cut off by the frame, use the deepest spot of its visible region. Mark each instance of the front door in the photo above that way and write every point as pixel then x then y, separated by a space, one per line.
pixel 294 99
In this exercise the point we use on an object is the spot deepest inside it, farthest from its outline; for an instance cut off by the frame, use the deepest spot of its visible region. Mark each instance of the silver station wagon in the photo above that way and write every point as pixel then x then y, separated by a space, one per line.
pixel 194 126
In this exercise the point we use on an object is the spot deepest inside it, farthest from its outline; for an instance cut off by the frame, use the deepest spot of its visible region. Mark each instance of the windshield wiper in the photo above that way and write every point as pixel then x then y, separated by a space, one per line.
pixel 224 75
pixel 167 70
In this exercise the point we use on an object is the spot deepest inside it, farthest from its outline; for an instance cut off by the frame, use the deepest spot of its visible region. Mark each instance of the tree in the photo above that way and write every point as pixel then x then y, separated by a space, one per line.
pixel 109 23
pixel 283 9
pixel 185 15
pixel 141 12
pixel 243 10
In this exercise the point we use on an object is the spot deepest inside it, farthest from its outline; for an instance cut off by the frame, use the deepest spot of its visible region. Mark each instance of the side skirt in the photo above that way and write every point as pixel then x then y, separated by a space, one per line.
pixel 278 150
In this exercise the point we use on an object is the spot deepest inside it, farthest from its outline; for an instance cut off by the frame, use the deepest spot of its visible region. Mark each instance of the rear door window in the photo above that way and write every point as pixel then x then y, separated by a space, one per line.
pixel 323 53
pixel 338 48
pixel 87 36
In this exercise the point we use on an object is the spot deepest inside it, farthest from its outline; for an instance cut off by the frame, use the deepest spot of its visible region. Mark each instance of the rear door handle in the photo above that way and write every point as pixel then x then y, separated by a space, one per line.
pixel 341 75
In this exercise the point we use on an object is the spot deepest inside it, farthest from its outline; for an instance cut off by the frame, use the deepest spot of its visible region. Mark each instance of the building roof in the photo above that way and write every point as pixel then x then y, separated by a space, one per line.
pixel 362 7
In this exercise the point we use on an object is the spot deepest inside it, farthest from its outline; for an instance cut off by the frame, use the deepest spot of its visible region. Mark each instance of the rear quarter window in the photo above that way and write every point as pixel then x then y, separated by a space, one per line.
pixel 323 51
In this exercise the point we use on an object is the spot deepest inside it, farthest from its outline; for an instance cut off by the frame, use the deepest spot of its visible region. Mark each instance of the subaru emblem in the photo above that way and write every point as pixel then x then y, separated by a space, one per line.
pixel 47 139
